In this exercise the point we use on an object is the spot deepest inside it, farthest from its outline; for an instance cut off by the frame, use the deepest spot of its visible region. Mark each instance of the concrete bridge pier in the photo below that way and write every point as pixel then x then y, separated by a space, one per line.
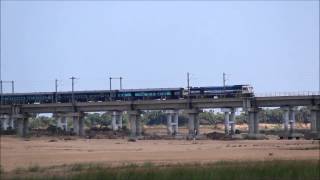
pixel 172 122
pixel 193 123
pixel 15 112
pixel 253 122
pixel 175 122
pixel 78 123
pixel 22 121
pixel 5 124
pixel 4 120
pixel 75 125
pixel 233 121
pixel 229 120
pixel 292 120
pixel 139 126
pixel 22 124
pixel 115 119
pixel 11 123
pixel 62 123
pixel 226 122
pixel 120 120
pixel 169 123
pixel 315 121
pixel 288 120
pixel 135 124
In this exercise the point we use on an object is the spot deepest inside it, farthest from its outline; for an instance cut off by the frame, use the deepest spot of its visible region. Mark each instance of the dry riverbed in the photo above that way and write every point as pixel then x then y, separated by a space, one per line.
pixel 46 151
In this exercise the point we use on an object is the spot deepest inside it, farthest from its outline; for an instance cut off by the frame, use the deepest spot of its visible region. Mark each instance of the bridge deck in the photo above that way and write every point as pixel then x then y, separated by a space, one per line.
pixel 276 101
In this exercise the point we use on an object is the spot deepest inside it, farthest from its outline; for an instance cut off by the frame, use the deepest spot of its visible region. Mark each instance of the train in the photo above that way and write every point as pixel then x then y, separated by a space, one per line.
pixel 127 95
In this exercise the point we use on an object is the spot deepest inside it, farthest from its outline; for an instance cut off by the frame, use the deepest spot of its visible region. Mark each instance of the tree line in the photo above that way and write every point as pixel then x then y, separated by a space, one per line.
pixel 160 118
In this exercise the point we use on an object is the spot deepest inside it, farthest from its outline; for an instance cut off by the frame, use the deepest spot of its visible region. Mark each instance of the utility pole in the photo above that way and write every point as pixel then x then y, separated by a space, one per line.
pixel 188 86
pixel 224 79
pixel 73 78
pixel 110 86
pixel 224 82
pixel 110 82
pixel 1 89
pixel 188 83
pixel 12 86
pixel 56 88
pixel 121 83
pixel 56 85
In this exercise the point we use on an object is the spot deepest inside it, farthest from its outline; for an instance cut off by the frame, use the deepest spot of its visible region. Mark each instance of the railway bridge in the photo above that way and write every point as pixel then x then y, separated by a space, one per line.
pixel 251 105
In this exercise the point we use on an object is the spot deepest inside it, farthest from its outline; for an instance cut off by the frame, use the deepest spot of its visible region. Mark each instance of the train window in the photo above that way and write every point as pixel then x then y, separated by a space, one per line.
pixel 128 94
pixel 247 89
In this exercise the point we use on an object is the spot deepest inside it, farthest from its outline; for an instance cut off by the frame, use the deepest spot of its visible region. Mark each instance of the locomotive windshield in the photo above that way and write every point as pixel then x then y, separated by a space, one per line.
pixel 247 89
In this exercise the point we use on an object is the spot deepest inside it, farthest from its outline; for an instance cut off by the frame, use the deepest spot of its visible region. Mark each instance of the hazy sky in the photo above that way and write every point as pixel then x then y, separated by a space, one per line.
pixel 273 46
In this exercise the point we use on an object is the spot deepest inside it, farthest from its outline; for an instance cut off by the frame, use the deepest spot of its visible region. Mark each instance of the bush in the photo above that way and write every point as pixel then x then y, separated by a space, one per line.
pixel 284 170
pixel 34 168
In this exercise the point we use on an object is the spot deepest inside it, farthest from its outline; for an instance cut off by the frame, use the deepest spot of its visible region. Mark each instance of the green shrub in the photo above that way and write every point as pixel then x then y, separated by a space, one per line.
pixel 78 167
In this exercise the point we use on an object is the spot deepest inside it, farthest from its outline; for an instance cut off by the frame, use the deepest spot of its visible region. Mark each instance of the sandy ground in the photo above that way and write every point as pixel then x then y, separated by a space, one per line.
pixel 162 130
pixel 17 152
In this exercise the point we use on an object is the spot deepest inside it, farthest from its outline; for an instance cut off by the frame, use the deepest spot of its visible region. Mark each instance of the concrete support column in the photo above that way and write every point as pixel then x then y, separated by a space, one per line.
pixel 15 112
pixel 11 123
pixel 176 122
pixel 169 124
pixel 75 124
pixel 233 121
pixel 20 132
pixel 193 122
pixel 229 120
pixel 78 123
pixel 226 122
pixel 63 123
pixel 197 125
pixel 135 123
pixel 292 120
pixel 172 122
pixel 286 119
pixel 23 125
pixel 81 126
pixel 256 123
pixel 251 117
pixel 139 126
pixel 315 119
pixel 120 121
pixel 115 117
pixel 4 120
pixel 253 121
pixel 5 124
pixel 116 120
pixel 133 126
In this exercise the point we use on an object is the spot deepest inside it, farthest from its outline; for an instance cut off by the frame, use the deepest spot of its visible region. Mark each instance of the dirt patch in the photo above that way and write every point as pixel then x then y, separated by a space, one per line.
pixel 17 153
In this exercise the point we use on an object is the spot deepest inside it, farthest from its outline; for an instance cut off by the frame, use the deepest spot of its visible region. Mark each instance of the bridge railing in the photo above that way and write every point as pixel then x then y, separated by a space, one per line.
pixel 298 93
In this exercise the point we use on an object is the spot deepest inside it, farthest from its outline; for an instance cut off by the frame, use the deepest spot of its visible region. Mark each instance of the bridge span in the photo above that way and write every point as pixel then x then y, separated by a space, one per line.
pixel 251 105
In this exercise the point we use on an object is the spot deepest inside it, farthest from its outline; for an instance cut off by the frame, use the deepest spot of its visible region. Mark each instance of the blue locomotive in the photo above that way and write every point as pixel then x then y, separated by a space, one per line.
pixel 127 95
pixel 221 91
